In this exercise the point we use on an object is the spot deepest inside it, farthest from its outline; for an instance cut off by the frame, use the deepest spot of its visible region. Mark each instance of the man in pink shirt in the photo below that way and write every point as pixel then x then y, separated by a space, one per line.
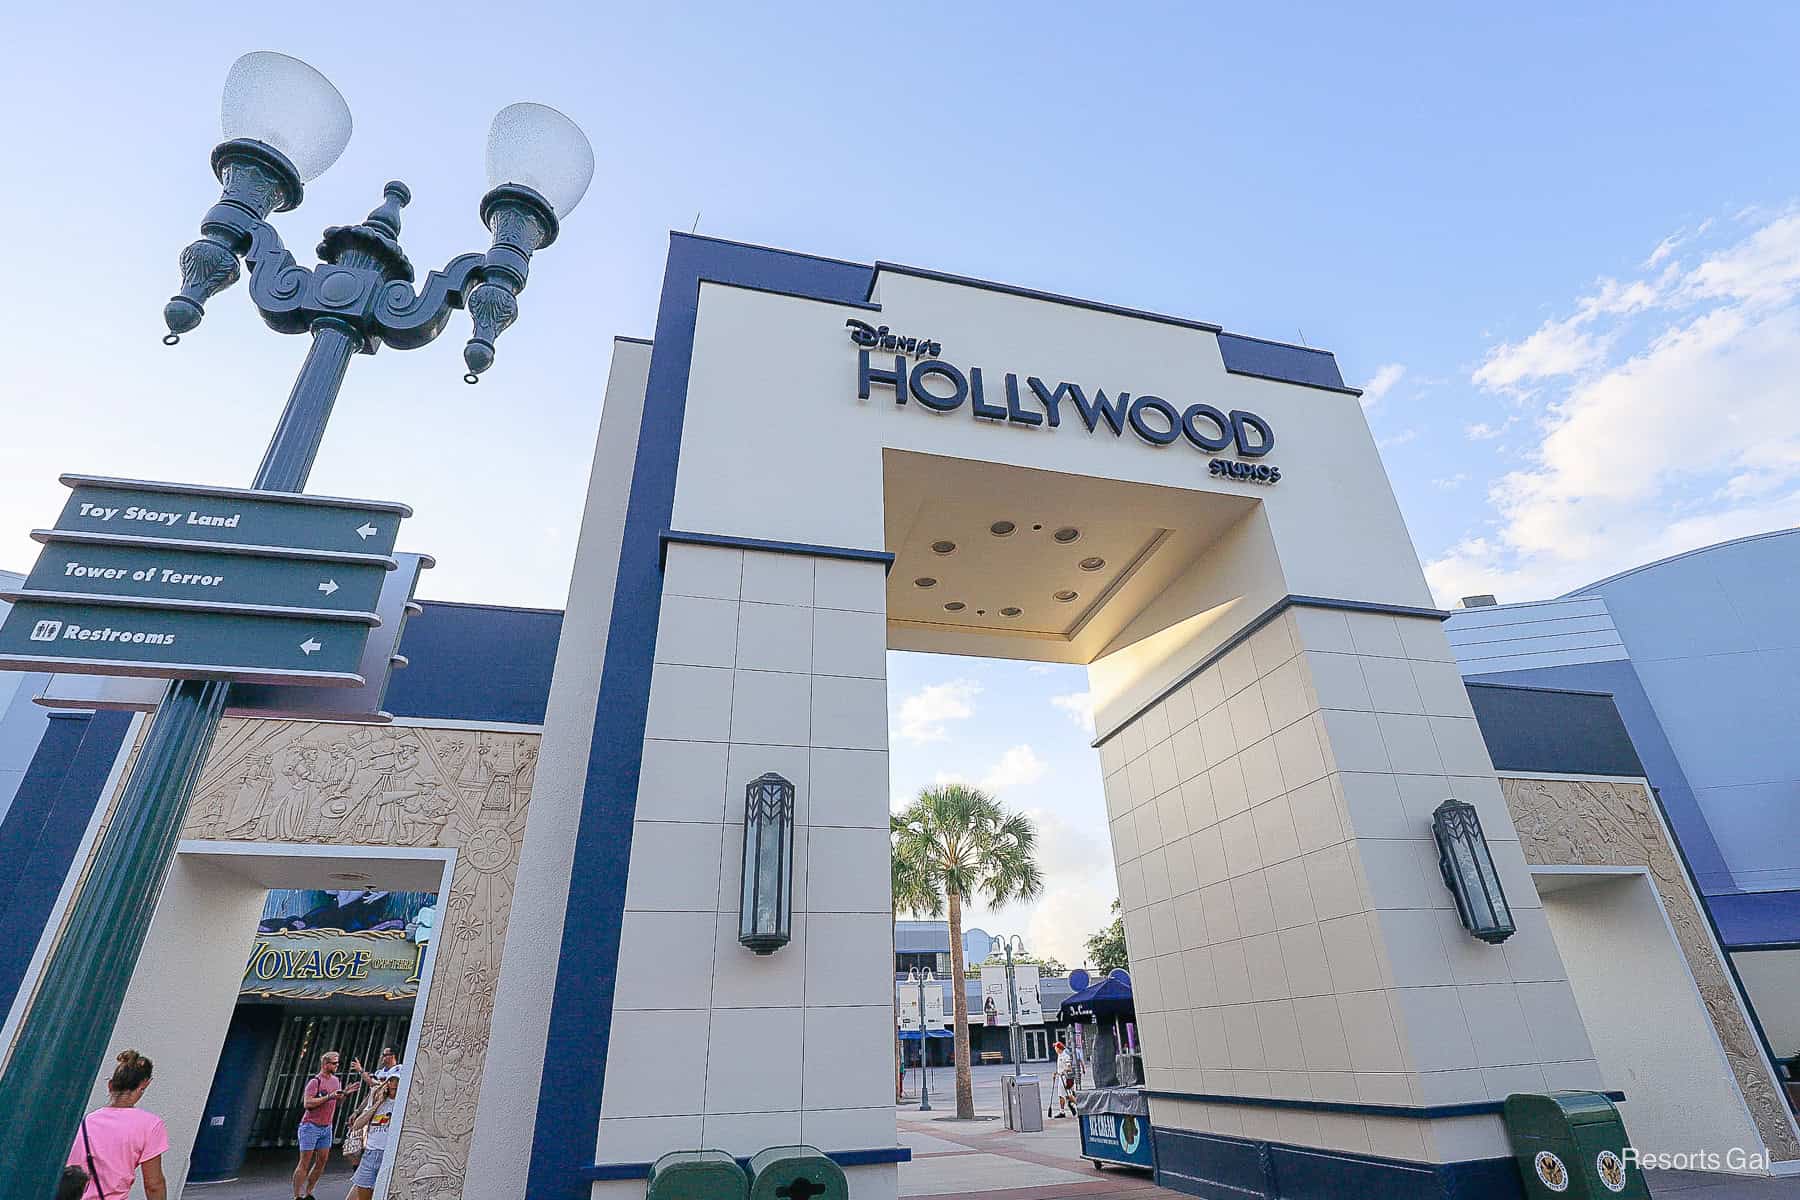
pixel 115 1141
pixel 319 1101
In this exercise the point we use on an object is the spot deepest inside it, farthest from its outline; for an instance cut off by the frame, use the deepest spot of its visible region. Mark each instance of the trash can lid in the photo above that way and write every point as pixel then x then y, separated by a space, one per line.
pixel 1570 1108
pixel 678 1157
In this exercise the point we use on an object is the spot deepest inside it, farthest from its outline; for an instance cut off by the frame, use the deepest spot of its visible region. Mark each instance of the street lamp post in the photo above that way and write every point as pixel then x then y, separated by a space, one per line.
pixel 922 978
pixel 1014 1039
pixel 284 124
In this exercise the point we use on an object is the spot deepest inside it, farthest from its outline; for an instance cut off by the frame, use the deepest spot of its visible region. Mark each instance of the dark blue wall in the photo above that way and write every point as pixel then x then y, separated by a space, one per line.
pixel 476 662
pixel 1660 766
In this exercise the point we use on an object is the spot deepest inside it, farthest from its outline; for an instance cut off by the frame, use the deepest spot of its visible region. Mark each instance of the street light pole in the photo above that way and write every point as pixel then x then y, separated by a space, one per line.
pixel 924 1063
pixel 1014 1040
pixel 357 299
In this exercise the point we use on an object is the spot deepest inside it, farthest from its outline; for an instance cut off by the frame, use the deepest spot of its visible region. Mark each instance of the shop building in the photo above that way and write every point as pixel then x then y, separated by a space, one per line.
pixel 813 462
pixel 925 946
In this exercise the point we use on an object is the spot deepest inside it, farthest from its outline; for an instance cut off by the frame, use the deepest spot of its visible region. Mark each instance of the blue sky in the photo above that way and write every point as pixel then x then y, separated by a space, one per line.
pixel 1558 245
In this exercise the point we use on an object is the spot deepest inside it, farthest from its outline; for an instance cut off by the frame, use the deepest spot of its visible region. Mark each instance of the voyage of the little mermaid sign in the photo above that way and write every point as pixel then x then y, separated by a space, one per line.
pixel 942 387
pixel 314 964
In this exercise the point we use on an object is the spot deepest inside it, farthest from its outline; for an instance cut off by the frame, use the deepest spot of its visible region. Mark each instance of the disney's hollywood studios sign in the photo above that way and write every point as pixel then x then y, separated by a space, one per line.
pixel 942 387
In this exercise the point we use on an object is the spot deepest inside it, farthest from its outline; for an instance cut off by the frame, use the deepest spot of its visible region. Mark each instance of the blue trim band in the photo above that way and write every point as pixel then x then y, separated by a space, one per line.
pixel 1282 362
pixel 1255 623
pixel 988 285
pixel 729 541
pixel 1473 1108
pixel 843 1158
pixel 581 1006
pixel 1222 1167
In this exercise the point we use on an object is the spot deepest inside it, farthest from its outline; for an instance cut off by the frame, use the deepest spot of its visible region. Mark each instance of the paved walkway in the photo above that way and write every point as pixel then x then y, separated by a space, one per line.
pixel 269 1175
pixel 966 1160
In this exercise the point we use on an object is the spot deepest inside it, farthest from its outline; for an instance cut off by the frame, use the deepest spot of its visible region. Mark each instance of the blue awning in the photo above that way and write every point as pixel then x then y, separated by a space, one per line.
pixel 912 1035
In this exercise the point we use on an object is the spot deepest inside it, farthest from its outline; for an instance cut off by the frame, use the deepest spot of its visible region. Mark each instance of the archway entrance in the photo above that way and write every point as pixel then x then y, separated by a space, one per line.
pixel 1274 701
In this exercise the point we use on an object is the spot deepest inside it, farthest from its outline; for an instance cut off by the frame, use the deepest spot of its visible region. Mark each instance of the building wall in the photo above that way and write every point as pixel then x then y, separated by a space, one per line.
pixel 1652 1034
pixel 764 662
pixel 1772 983
pixel 1289 933
pixel 1713 636
pixel 1615 823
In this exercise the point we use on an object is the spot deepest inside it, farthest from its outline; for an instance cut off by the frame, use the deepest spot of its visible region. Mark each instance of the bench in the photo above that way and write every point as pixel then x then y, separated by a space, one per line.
pixel 992 1056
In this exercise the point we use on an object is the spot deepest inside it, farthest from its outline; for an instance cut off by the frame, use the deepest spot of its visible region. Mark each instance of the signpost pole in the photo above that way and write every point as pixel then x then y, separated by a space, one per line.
pixel 64 1035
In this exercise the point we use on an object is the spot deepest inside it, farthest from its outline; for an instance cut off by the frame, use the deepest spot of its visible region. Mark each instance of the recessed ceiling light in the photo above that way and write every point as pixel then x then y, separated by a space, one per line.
pixel 1066 595
pixel 955 606
pixel 1010 611
pixel 1002 528
pixel 1091 564
pixel 981 612
pixel 1067 534
pixel 925 581
pixel 944 547
pixel 1036 528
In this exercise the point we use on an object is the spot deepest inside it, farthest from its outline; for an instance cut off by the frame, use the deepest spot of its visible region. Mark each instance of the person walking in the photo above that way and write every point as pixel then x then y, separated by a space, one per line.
pixel 1065 1080
pixel 375 1123
pixel 118 1141
pixel 319 1102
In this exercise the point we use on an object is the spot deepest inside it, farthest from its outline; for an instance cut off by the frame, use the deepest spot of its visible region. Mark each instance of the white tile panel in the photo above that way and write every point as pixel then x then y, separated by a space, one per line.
pixel 778 578
pixel 843 583
pixel 741 1075
pixel 835 1079
pixel 682 781
pixel 774 637
pixel 674 866
pixel 656 1064
pixel 849 959
pixel 696 631
pixel 849 714
pixel 842 862
pixel 703 571
pixel 849 787
pixel 849 643
pixel 689 704
pixel 668 958
pixel 770 707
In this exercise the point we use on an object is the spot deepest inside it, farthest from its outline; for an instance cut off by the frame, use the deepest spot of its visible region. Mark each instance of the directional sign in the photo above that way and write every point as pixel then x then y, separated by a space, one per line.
pixel 94 572
pixel 41 636
pixel 189 513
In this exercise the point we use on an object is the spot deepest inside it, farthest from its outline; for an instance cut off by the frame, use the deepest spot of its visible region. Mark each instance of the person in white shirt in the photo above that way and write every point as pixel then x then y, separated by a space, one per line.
pixel 375 1123
pixel 1065 1080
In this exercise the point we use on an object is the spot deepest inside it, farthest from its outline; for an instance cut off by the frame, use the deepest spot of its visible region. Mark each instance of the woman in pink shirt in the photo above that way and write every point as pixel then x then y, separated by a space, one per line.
pixel 115 1141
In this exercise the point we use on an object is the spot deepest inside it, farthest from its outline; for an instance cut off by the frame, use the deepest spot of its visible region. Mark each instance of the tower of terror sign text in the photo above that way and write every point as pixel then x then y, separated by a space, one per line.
pixel 941 387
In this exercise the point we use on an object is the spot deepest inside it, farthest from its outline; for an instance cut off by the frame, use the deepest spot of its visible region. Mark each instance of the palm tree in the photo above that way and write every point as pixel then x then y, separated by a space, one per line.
pixel 954 843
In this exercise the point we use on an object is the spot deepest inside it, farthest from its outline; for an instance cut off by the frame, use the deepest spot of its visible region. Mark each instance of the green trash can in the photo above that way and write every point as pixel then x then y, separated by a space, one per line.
pixel 697 1175
pixel 1571 1146
pixel 796 1173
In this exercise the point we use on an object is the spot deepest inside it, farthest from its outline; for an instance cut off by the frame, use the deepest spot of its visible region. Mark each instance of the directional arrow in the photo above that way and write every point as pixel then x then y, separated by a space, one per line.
pixel 366 531
pixel 311 646
pixel 329 586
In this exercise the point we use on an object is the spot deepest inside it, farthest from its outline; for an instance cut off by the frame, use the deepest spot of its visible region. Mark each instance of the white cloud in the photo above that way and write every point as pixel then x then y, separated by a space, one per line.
pixel 1383 381
pixel 1398 439
pixel 1671 436
pixel 924 714
pixel 1079 707
pixel 1483 431
pixel 1450 482
pixel 1019 767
